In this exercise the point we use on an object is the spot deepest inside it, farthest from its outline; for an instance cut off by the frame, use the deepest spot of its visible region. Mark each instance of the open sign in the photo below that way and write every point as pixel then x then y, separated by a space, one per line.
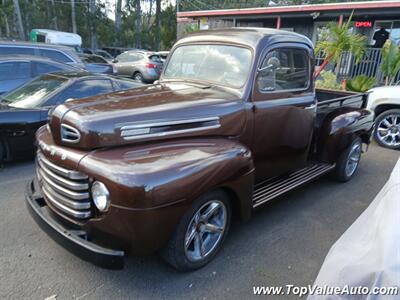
pixel 367 24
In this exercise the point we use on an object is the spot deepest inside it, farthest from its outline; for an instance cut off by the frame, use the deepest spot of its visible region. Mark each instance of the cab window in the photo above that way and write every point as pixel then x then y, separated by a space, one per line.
pixel 284 69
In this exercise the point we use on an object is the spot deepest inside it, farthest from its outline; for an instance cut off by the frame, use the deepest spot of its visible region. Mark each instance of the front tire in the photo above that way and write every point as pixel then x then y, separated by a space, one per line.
pixel 348 162
pixel 387 130
pixel 200 233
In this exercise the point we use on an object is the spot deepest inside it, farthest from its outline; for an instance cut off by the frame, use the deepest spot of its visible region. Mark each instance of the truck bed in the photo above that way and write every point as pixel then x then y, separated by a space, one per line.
pixel 329 100
pixel 335 98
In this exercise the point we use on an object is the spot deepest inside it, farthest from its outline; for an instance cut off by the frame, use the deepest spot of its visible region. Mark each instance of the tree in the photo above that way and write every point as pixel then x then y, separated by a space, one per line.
pixel 90 19
pixel 158 25
pixel 20 27
pixel 118 21
pixel 340 39
pixel 4 17
pixel 92 14
pixel 54 15
pixel 138 24
pixel 390 61
pixel 73 16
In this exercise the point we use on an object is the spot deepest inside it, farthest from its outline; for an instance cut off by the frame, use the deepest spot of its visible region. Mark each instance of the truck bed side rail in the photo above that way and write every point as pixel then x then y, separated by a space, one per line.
pixel 359 101
pixel 356 100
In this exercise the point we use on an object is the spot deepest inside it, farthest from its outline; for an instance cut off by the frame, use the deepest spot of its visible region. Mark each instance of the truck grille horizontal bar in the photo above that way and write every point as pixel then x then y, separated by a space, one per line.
pixel 66 191
pixel 61 171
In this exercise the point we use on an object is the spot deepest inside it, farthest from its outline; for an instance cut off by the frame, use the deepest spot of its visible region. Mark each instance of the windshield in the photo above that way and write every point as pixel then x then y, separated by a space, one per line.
pixel 34 93
pixel 226 65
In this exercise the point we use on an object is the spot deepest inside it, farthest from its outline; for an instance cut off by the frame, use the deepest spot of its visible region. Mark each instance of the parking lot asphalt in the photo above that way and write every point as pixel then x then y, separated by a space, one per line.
pixel 284 243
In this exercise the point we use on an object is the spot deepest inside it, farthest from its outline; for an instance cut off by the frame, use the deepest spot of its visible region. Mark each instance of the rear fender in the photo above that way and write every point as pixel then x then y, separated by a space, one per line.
pixel 339 128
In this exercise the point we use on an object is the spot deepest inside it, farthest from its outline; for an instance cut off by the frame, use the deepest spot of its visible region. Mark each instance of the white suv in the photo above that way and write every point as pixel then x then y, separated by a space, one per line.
pixel 385 102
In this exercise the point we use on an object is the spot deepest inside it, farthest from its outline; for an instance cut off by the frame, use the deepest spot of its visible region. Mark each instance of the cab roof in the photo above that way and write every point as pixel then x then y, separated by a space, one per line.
pixel 245 36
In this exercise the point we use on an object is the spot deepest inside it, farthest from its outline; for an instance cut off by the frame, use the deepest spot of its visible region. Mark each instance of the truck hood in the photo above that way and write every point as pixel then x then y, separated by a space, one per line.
pixel 154 112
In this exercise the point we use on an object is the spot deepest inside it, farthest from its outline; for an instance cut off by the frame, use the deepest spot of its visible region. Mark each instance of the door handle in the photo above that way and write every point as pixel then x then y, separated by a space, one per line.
pixel 310 107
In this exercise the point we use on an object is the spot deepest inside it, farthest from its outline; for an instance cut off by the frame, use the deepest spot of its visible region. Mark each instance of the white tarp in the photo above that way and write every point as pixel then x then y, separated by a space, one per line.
pixel 368 253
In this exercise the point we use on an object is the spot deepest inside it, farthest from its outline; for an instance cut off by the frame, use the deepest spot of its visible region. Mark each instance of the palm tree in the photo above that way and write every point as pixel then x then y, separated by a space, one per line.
pixel 390 61
pixel 339 40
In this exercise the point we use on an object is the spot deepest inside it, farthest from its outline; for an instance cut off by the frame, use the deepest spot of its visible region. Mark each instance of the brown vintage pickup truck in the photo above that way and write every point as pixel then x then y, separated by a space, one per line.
pixel 233 123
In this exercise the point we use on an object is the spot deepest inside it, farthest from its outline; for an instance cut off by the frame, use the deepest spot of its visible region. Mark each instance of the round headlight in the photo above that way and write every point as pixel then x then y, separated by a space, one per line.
pixel 101 196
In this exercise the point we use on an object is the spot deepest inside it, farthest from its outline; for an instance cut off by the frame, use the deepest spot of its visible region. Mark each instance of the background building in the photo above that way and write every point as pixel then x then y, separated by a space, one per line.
pixel 377 20
pixel 310 20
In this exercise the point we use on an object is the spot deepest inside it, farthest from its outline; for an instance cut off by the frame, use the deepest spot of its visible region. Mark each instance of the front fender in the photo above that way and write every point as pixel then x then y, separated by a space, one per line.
pixel 160 174
pixel 340 128
pixel 152 185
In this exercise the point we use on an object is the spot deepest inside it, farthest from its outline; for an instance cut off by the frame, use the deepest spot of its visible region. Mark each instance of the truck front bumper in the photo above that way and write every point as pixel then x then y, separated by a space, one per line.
pixel 76 241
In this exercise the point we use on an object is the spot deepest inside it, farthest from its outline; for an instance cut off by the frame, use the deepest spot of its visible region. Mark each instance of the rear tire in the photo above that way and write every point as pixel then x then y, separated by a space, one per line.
pixel 387 130
pixel 199 236
pixel 348 162
pixel 137 76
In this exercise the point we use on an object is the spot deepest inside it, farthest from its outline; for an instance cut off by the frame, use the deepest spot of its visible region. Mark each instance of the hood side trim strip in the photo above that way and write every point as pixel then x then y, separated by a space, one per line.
pixel 140 131
pixel 169 123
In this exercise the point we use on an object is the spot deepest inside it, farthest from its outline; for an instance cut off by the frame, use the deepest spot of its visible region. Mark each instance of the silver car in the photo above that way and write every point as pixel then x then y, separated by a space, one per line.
pixel 140 65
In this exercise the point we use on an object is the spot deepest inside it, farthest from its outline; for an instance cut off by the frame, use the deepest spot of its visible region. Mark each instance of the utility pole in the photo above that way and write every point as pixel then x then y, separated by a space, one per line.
pixel 73 16
pixel 19 20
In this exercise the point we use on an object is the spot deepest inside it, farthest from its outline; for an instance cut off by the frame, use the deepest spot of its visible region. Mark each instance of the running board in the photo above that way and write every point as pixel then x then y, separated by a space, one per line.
pixel 277 186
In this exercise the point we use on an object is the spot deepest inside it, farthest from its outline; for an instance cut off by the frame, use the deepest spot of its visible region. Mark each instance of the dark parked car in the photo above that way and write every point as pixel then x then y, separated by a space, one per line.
pixel 17 69
pixel 104 54
pixel 139 65
pixel 58 53
pixel 97 64
pixel 115 51
pixel 24 110
pixel 87 51
pixel 107 56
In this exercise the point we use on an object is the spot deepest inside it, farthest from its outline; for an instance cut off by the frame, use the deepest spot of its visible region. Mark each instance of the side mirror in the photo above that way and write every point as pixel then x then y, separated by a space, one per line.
pixel 272 64
pixel 114 60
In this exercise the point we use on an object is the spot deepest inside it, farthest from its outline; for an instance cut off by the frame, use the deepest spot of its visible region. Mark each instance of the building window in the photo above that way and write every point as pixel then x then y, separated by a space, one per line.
pixel 391 27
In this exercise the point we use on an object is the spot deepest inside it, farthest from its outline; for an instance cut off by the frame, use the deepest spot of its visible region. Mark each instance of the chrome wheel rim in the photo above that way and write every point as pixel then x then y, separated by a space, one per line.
pixel 138 77
pixel 388 130
pixel 353 159
pixel 205 230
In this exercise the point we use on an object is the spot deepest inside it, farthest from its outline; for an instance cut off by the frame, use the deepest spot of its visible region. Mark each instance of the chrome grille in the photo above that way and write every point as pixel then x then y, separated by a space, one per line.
pixel 66 191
